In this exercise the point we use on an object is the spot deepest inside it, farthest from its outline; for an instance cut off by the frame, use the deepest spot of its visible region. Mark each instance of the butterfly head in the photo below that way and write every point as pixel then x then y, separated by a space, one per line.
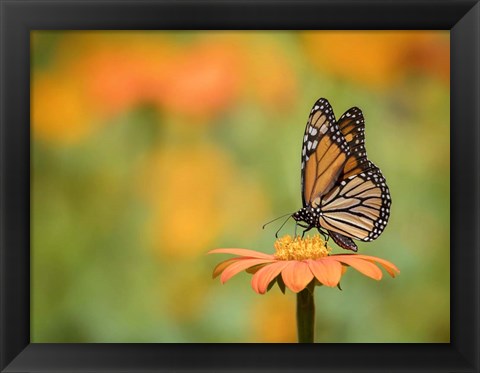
pixel 308 215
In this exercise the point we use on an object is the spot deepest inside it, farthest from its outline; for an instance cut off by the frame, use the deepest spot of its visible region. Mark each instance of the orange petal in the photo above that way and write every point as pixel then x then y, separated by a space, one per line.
pixel 297 275
pixel 389 267
pixel 239 266
pixel 242 252
pixel 326 270
pixel 267 274
pixel 222 265
pixel 363 266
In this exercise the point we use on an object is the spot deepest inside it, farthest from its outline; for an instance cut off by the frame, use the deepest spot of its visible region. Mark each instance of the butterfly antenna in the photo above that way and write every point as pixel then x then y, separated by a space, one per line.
pixel 271 221
pixel 279 229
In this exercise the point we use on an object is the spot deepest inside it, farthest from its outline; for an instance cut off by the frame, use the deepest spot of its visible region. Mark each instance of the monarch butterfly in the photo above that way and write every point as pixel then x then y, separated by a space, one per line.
pixel 342 191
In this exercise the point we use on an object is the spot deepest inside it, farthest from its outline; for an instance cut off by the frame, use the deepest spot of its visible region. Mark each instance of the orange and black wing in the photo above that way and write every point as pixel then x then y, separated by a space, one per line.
pixel 324 153
pixel 352 126
pixel 359 207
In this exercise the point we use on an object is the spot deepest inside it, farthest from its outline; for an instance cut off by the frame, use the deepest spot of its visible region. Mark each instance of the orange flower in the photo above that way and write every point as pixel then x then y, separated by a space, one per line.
pixel 296 263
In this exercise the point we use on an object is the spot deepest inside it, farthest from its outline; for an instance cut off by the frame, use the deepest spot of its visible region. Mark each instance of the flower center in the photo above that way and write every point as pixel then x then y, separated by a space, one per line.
pixel 288 248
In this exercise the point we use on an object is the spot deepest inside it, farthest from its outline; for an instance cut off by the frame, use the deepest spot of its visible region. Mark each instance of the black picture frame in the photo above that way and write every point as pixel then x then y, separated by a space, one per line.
pixel 19 17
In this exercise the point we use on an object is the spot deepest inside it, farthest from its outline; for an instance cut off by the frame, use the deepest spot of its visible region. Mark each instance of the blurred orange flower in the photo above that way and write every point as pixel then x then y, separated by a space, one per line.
pixel 196 79
pixel 202 80
pixel 126 72
pixel 296 263
pixel 376 58
pixel 430 54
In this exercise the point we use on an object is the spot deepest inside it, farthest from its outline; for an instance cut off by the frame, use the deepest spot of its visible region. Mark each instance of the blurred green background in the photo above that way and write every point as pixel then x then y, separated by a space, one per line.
pixel 151 148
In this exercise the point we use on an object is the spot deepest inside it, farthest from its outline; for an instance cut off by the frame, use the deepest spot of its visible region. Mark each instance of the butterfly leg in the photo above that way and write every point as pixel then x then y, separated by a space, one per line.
pixel 306 229
pixel 325 235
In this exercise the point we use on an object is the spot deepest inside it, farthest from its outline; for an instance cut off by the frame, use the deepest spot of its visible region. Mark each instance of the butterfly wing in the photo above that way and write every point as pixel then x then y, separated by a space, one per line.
pixel 352 126
pixel 363 216
pixel 324 153
pixel 338 177
pixel 358 207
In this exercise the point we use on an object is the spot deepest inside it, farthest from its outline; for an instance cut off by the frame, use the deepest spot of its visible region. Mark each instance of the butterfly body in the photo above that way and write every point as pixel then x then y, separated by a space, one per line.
pixel 343 193
pixel 308 215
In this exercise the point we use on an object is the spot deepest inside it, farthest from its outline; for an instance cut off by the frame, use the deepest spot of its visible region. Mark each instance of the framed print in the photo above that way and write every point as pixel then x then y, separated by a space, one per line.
pixel 145 143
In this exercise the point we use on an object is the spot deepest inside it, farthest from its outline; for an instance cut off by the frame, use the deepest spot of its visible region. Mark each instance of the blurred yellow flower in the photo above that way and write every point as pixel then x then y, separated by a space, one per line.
pixel 192 192
pixel 272 78
pixel 59 108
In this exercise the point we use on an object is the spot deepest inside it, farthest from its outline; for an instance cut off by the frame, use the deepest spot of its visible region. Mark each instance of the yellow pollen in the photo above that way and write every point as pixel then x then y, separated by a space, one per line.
pixel 288 248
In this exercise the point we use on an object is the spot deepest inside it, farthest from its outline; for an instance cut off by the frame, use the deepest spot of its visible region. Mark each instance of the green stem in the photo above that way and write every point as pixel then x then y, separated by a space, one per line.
pixel 305 316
